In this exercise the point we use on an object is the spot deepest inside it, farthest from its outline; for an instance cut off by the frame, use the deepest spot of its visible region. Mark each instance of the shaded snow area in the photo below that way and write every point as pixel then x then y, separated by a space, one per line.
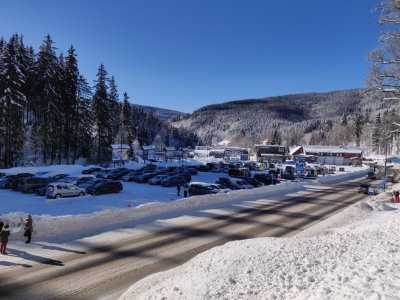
pixel 352 255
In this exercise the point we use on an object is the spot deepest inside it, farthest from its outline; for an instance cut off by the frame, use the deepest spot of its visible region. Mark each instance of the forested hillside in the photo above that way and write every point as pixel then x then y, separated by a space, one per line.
pixel 49 113
pixel 340 117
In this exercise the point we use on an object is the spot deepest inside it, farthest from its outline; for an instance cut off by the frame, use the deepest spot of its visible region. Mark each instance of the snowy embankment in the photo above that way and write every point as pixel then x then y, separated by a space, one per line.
pixel 353 255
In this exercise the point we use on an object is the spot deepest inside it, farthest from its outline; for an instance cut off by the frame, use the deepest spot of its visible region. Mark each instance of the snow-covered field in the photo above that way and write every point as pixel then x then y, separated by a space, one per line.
pixel 353 255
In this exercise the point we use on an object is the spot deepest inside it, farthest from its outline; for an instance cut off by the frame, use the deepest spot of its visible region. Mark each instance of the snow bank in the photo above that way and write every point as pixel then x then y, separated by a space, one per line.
pixel 353 255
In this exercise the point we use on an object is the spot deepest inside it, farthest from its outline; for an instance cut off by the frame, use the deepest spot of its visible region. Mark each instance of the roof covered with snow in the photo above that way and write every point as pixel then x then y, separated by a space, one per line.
pixel 332 149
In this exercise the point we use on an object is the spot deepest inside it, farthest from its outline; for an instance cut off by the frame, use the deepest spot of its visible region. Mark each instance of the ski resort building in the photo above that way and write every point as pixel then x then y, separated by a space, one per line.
pixel 330 155
pixel 227 153
pixel 270 153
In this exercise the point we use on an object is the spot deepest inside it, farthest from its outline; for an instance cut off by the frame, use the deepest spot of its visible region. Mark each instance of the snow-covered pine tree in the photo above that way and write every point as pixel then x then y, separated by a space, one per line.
pixel 358 128
pixel 13 103
pixel 115 109
pixel 70 101
pixel 84 120
pixel 127 122
pixel 376 134
pixel 47 107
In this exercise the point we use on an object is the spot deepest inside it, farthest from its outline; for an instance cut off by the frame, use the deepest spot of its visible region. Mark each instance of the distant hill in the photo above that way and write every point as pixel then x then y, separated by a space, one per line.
pixel 162 113
pixel 244 122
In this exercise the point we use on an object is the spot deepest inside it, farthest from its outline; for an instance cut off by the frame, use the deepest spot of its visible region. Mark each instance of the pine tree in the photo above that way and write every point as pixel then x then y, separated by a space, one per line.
pixel 358 128
pixel 344 121
pixel 101 108
pixel 12 103
pixel 127 132
pixel 114 107
pixel 48 109
pixel 70 102
pixel 84 121
pixel 376 141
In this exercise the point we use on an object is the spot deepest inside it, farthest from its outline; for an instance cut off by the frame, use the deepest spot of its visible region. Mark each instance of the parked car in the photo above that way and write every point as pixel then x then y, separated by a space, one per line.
pixel 234 183
pixel 222 189
pixel 91 170
pixel 104 187
pixel 61 190
pixel 30 184
pixel 371 175
pixel 173 181
pixel 288 176
pixel 157 179
pixel 5 182
pixel 365 187
pixel 203 168
pixel 267 179
pixel 239 172
pixel 144 177
pixel 57 177
pixel 202 188
pixel 17 178
pixel 117 173
pixel 254 182
pixel 91 182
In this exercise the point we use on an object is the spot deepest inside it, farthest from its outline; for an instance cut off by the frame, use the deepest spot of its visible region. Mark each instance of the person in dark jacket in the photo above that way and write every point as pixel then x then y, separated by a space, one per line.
pixel 1 225
pixel 178 189
pixel 4 234
pixel 28 228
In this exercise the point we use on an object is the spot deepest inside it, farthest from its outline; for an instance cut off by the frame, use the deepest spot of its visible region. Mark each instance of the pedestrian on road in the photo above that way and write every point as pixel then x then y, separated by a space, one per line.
pixel 28 228
pixel 396 197
pixel 178 188
pixel 185 190
pixel 4 234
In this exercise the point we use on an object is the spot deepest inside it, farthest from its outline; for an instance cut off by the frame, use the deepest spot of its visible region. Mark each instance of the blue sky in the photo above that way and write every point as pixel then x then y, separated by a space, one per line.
pixel 184 54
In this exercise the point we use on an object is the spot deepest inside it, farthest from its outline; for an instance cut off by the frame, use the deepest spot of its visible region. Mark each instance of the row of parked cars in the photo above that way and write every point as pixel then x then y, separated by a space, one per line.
pixel 58 186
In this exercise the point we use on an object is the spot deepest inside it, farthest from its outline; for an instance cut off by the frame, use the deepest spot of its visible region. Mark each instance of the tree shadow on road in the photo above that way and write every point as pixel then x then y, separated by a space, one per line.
pixel 40 259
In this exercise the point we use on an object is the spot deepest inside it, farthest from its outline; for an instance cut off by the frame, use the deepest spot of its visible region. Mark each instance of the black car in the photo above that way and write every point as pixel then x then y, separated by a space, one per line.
pixel 31 184
pixel 254 182
pixel 5 182
pixel 173 181
pixel 288 176
pixel 144 177
pixel 105 187
pixel 91 182
pixel 200 188
pixel 267 179
pixel 203 168
pixel 227 183
pixel 365 187
pixel 17 179
pixel 91 170
pixel 371 175
pixel 117 173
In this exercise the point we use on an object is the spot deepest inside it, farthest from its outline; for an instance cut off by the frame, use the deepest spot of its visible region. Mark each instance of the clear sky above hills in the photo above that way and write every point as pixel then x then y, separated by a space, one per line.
pixel 184 54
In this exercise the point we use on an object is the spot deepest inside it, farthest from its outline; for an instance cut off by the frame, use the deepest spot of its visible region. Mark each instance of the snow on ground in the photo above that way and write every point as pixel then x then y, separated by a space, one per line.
pixel 353 255
pixel 89 213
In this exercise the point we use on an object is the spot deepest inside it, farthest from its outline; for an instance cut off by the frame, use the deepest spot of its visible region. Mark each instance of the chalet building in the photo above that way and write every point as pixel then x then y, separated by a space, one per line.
pixel 330 155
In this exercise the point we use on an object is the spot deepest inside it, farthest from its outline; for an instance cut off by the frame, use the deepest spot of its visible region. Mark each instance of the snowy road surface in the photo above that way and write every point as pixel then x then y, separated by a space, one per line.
pixel 107 271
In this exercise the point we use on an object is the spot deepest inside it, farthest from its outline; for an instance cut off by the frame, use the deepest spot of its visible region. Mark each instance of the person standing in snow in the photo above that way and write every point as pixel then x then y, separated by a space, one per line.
pixel 28 228
pixel 178 188
pixel 396 197
pixel 185 190
pixel 4 234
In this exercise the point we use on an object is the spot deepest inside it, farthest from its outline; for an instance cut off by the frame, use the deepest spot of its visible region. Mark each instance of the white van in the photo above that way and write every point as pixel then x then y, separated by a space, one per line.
pixel 60 190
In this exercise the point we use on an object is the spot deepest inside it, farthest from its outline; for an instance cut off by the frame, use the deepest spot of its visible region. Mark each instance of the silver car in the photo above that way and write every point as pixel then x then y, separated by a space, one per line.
pixel 60 190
